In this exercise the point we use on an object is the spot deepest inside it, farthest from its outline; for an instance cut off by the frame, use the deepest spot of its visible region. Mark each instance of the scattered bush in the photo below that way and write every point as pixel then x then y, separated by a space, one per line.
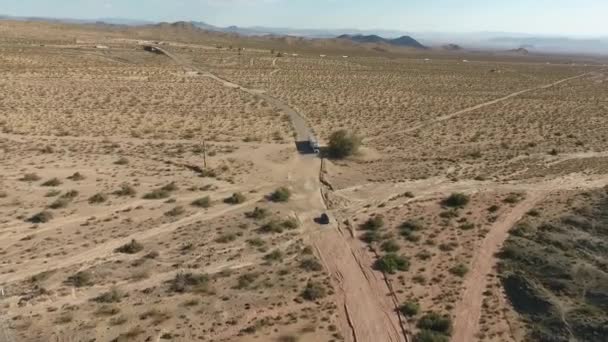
pixel 132 247
pixel 410 308
pixel 185 282
pixel 245 280
pixel 313 291
pixel 157 194
pixel 291 223
pixel 430 336
pixel 373 223
pixel 435 322
pixel 459 270
pixel 122 161
pixel 30 177
pixel 41 217
pixel 391 263
pixel 275 255
pixel 280 195
pixel 80 279
pixel 390 246
pixel 70 194
pixel 50 193
pixel 176 211
pixel 236 198
pixel 98 198
pixel 343 144
pixel 272 227
pixel 125 190
pixel 257 213
pixel 225 238
pixel 456 200
pixel 170 187
pixel 52 182
pixel 77 176
pixel 311 265
pixel 112 296
pixel 59 203
pixel 203 202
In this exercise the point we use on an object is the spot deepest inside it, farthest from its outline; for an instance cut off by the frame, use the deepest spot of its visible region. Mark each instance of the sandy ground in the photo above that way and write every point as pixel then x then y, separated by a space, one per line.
pixel 131 124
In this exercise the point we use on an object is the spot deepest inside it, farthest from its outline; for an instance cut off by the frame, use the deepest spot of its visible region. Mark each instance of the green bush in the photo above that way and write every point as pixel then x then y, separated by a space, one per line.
pixel 456 200
pixel 311 264
pixel 430 336
pixel 390 246
pixel 410 308
pixel 132 247
pixel 272 227
pixel 281 194
pixel 236 198
pixel 459 270
pixel 343 144
pixel 391 263
pixel 313 291
pixel 373 223
pixel 203 202
pixel 435 322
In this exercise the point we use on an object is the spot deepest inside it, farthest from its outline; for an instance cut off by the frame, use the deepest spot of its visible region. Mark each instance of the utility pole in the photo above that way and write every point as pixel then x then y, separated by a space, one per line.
pixel 204 155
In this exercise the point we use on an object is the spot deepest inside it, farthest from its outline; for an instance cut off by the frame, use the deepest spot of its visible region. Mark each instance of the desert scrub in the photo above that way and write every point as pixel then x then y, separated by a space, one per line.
pixel 373 223
pixel 80 279
pixel 311 265
pixel 456 200
pixel 132 247
pixel 343 144
pixel 125 190
pixel 203 202
pixel 30 177
pixel 41 217
pixel 98 198
pixel 459 270
pixel 257 213
pixel 281 194
pixel 391 263
pixel 52 182
pixel 176 211
pixel 313 291
pixel 187 282
pixel 236 198
pixel 410 308
pixel 60 203
pixel 77 176
pixel 122 161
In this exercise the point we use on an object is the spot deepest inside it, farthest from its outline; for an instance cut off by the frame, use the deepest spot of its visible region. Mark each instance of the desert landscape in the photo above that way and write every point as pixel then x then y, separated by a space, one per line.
pixel 157 185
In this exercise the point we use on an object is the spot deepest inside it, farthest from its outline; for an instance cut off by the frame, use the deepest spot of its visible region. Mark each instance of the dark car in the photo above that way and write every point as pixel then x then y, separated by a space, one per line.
pixel 323 219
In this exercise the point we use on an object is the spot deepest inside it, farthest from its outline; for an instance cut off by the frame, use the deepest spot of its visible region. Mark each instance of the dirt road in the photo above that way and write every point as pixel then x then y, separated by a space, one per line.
pixel 468 311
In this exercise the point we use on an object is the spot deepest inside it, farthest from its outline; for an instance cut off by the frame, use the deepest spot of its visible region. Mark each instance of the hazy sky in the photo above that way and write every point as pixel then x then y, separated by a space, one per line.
pixel 572 17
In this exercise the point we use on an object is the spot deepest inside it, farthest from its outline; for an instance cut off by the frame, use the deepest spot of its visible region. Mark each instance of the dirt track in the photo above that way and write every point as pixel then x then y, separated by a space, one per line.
pixel 468 311
pixel 479 106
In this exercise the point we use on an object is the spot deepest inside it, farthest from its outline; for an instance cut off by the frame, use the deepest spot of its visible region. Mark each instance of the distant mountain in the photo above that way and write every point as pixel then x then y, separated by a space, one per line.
pixel 452 47
pixel 110 21
pixel 403 41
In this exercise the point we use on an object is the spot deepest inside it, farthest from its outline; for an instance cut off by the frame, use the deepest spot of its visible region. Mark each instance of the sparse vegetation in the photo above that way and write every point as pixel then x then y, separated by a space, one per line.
pixel 456 200
pixel 280 195
pixel 80 279
pixel 314 291
pixel 391 263
pixel 125 190
pixel 98 198
pixel 132 247
pixel 203 202
pixel 343 144
pixel 236 198
pixel 41 217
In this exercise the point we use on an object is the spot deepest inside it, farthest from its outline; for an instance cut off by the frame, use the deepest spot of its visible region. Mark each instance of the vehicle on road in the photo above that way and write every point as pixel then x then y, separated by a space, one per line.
pixel 314 144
